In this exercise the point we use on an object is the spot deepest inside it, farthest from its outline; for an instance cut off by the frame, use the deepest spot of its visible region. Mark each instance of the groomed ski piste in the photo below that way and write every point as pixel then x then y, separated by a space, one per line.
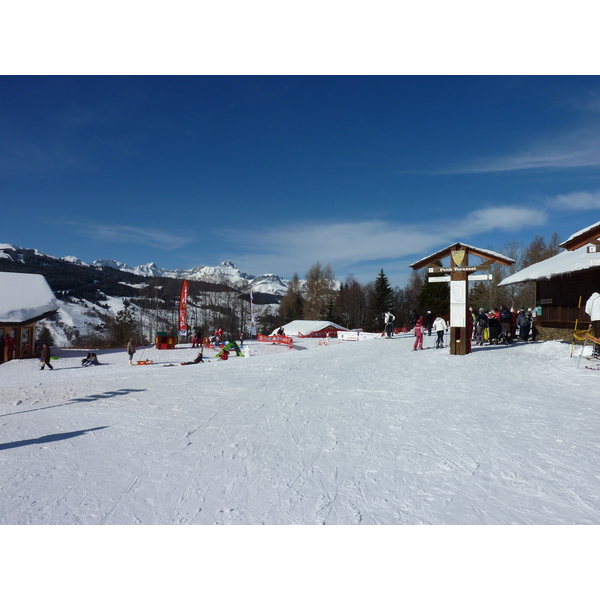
pixel 356 433
pixel 352 433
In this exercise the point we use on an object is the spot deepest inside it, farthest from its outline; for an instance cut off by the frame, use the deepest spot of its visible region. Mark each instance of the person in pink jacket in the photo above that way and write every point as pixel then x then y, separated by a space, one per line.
pixel 418 334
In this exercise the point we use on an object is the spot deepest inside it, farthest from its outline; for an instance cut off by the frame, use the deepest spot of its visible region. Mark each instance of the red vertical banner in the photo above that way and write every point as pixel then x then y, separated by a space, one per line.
pixel 252 318
pixel 183 299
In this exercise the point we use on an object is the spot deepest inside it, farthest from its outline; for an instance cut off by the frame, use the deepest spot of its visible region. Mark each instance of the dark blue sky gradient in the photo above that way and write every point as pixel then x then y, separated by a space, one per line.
pixel 277 172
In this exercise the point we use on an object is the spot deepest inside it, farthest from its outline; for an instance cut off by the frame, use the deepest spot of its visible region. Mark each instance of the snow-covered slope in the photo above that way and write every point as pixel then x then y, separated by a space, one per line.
pixel 314 435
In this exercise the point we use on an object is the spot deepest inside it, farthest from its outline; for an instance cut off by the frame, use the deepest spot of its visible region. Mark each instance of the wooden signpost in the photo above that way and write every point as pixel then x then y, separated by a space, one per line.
pixel 458 274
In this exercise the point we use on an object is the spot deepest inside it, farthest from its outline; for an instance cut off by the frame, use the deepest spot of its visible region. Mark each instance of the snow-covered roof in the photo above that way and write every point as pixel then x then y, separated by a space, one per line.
pixel 477 251
pixel 24 297
pixel 300 327
pixel 581 232
pixel 581 237
pixel 564 262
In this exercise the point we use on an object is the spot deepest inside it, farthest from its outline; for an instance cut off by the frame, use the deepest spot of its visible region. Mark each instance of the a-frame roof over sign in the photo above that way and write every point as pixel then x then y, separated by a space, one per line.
pixel 487 255
pixel 589 235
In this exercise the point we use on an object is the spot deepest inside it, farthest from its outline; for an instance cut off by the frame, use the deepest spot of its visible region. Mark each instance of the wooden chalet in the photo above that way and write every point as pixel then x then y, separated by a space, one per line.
pixel 25 299
pixel 564 282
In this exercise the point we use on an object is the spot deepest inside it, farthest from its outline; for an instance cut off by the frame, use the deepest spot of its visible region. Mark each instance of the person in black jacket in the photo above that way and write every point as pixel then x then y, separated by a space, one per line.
pixel 493 326
pixel 505 324
pixel 481 325
pixel 196 361
pixel 524 324
pixel 429 322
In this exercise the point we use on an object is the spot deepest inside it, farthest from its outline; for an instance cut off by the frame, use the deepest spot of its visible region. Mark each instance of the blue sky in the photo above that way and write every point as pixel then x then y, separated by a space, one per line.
pixel 278 172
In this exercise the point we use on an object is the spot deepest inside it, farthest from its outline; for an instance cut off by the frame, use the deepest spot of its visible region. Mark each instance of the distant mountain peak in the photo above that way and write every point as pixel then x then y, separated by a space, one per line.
pixel 225 273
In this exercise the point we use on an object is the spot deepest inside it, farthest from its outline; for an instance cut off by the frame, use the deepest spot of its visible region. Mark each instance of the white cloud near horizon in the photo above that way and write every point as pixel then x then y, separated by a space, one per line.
pixel 352 244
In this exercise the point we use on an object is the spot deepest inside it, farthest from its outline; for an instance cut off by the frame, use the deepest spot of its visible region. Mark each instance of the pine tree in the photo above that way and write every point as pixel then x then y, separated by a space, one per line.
pixel 329 311
pixel 351 304
pixel 435 297
pixel 291 307
pixel 412 292
pixel 381 300
pixel 45 335
pixel 123 326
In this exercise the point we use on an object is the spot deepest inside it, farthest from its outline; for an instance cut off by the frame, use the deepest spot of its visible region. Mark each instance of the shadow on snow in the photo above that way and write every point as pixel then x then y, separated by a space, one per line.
pixel 90 398
pixel 47 439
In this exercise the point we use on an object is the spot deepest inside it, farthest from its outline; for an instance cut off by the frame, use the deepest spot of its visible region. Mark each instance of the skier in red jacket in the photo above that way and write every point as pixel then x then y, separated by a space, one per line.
pixel 418 334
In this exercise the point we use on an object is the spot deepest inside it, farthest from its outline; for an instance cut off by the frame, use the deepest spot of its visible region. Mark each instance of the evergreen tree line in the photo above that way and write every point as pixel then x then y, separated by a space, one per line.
pixel 153 303
pixel 355 306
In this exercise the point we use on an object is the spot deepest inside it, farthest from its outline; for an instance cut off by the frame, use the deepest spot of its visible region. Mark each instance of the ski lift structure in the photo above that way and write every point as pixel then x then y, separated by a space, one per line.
pixel 458 275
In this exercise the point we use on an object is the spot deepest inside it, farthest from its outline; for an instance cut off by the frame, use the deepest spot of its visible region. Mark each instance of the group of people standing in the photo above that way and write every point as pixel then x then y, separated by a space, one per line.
pixel 498 326
pixel 504 326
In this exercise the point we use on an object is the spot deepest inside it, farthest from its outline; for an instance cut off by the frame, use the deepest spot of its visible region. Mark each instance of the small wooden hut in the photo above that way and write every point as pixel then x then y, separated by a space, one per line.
pixel 25 299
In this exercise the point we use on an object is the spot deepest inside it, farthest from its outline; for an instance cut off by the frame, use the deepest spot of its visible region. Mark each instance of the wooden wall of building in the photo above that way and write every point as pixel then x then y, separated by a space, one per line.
pixel 563 298
pixel 24 341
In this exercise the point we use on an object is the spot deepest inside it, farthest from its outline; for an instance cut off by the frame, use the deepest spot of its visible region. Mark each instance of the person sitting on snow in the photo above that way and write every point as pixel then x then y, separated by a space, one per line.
pixel 90 359
pixel 196 361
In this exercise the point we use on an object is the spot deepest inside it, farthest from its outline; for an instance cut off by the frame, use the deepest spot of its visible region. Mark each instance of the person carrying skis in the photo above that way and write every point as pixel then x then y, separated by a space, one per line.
pixel 440 327
pixel 389 324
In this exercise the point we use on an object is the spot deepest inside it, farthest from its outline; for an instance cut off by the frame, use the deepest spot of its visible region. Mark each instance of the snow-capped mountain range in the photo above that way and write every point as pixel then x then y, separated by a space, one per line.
pixel 226 273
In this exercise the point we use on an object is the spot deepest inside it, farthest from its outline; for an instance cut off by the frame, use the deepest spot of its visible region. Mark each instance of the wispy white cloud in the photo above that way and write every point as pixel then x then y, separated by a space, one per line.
pixel 580 148
pixel 503 218
pixel 125 234
pixel 576 201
